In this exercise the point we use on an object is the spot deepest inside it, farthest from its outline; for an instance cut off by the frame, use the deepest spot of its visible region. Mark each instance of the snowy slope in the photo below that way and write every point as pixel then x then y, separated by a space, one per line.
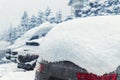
pixel 92 43
pixel 44 28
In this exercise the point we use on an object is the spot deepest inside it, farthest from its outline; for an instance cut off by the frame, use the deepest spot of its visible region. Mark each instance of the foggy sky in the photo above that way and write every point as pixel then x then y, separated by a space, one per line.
pixel 12 10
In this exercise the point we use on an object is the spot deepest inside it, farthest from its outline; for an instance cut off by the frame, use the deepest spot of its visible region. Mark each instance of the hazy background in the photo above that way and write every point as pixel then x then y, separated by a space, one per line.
pixel 11 11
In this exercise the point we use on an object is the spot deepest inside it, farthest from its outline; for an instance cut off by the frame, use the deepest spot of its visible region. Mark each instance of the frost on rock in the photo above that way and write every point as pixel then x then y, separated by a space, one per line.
pixel 92 43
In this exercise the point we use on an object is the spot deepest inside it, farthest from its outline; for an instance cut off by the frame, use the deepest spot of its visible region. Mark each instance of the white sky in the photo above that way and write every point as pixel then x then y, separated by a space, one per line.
pixel 12 10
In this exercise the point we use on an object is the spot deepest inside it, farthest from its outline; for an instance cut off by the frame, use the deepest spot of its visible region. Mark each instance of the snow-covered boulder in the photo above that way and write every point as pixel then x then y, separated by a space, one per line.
pixel 92 43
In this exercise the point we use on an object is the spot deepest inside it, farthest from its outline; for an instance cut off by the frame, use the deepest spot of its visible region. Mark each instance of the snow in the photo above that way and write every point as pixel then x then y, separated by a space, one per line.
pixel 28 75
pixel 37 40
pixel 9 71
pixel 3 45
pixel 92 43
pixel 43 28
pixel 30 49
pixel 8 68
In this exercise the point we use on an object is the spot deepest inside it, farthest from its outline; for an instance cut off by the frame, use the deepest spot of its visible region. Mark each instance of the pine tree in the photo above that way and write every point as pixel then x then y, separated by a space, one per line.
pixel 59 17
pixel 24 25
pixel 40 18
pixel 68 18
pixel 33 22
pixel 24 22
pixel 24 19
pixel 10 36
pixel 47 13
pixel 52 20
pixel 13 35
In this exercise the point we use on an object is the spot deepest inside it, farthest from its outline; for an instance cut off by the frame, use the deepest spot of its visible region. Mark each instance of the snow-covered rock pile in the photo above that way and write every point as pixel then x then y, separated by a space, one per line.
pixel 92 43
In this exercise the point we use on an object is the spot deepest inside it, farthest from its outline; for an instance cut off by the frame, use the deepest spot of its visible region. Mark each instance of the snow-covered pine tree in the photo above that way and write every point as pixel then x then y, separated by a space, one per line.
pixel 13 35
pixel 58 17
pixel 68 18
pixel 47 13
pixel 24 25
pixel 52 20
pixel 10 36
pixel 100 8
pixel 24 21
pixel 113 7
pixel 33 22
pixel 40 18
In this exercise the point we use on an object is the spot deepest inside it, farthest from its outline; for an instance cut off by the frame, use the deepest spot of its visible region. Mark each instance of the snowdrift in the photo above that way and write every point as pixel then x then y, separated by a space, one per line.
pixel 92 43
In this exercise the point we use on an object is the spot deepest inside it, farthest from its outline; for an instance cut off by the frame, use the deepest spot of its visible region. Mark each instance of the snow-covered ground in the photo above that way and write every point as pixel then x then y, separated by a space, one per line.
pixel 92 43
pixel 9 71
pixel 8 68
pixel 28 75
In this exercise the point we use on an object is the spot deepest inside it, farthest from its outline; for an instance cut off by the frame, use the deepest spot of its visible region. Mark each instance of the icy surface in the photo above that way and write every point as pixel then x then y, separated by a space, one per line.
pixel 92 43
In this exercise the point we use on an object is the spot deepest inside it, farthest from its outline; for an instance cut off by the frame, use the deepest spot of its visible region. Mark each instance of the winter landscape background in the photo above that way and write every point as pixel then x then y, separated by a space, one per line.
pixel 18 17
pixel 20 23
